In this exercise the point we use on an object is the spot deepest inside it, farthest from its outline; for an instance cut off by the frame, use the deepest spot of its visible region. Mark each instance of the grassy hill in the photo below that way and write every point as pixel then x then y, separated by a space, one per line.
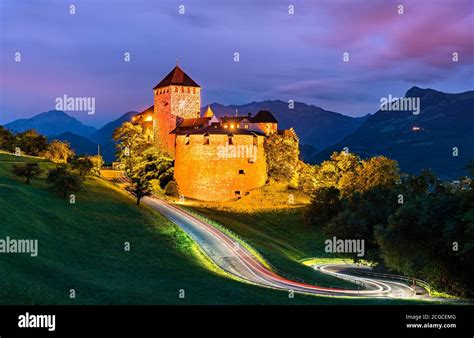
pixel 81 247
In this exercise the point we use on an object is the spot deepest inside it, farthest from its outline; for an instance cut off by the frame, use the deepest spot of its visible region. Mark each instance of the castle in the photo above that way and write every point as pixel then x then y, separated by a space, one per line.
pixel 215 159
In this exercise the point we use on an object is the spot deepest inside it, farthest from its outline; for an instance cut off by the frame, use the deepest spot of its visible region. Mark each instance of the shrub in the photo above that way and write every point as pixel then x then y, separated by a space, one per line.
pixel 172 189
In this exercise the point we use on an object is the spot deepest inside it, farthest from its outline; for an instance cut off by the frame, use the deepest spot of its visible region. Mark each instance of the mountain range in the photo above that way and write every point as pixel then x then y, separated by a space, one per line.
pixel 429 139
pixel 440 137
pixel 324 129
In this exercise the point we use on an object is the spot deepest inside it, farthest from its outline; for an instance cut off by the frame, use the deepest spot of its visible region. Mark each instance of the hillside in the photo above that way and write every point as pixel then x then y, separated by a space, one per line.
pixel 314 125
pixel 53 122
pixel 445 121
pixel 81 247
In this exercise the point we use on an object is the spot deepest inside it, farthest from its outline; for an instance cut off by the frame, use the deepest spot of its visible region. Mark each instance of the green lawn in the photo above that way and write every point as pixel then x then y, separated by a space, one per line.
pixel 81 247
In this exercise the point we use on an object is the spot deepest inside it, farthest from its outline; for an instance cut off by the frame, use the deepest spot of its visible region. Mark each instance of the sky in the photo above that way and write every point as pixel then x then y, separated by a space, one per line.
pixel 282 56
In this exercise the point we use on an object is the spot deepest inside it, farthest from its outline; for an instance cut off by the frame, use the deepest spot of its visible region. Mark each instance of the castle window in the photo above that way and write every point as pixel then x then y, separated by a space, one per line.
pixel 231 140
pixel 237 192
pixel 206 139
pixel 241 172
pixel 246 126
pixel 186 140
pixel 194 90
pixel 189 91
pixel 175 89
pixel 255 140
pixel 182 89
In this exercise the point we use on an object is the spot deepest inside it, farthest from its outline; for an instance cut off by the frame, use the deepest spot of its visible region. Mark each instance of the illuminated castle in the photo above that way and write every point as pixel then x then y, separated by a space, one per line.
pixel 215 159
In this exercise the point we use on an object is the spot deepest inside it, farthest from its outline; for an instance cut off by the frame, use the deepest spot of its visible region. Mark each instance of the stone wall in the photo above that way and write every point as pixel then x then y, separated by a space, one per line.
pixel 170 102
pixel 219 171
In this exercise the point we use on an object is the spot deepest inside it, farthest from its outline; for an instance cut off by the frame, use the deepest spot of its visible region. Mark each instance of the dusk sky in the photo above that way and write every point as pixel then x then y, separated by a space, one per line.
pixel 282 56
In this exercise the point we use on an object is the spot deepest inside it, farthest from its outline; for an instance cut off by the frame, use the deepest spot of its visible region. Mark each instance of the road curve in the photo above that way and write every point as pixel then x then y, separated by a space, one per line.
pixel 235 259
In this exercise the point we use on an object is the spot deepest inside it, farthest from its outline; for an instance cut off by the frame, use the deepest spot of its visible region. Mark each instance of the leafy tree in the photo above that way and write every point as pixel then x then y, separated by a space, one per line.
pixel 54 173
pixel 31 142
pixel 131 143
pixel 418 241
pixel 7 140
pixel 325 204
pixel 307 180
pixel 97 163
pixel 156 166
pixel 83 165
pixel 58 151
pixel 339 172
pixel 139 187
pixel 282 154
pixel 66 183
pixel 377 171
pixel 28 170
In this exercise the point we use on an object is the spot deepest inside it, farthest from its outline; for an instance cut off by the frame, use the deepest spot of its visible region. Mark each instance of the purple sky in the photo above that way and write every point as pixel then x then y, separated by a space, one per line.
pixel 282 56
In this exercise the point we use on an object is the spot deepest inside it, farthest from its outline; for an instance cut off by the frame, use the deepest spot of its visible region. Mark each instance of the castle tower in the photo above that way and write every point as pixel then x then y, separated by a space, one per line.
pixel 177 97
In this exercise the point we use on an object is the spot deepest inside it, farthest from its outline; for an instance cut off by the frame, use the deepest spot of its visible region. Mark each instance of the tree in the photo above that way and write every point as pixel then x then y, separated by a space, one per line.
pixel 54 173
pixel 155 165
pixel 338 172
pixel 307 181
pixel 97 163
pixel 83 165
pixel 139 187
pixel 31 142
pixel 325 204
pixel 282 154
pixel 66 183
pixel 28 170
pixel 130 144
pixel 378 171
pixel 7 139
pixel 58 151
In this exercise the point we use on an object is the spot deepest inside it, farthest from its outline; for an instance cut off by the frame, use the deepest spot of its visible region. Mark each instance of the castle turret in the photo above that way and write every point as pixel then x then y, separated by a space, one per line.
pixel 209 112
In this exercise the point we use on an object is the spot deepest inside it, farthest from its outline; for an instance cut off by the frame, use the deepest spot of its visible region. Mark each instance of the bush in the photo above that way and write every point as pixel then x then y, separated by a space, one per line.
pixel 172 189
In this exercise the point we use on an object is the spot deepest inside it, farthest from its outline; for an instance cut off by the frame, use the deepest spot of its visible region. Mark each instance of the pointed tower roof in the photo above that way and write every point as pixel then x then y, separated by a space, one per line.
pixel 177 77
pixel 209 112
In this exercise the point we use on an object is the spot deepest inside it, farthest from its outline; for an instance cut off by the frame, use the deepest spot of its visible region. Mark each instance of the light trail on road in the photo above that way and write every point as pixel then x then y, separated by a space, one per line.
pixel 238 261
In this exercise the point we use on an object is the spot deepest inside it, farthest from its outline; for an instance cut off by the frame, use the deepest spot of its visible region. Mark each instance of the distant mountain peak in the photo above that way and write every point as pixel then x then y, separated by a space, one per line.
pixel 422 92
pixel 53 122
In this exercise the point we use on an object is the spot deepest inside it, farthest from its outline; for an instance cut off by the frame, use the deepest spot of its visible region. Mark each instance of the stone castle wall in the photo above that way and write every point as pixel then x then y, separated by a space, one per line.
pixel 170 102
pixel 217 171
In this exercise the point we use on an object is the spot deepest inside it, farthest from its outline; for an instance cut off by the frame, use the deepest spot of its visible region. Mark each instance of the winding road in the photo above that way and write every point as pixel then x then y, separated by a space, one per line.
pixel 237 260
